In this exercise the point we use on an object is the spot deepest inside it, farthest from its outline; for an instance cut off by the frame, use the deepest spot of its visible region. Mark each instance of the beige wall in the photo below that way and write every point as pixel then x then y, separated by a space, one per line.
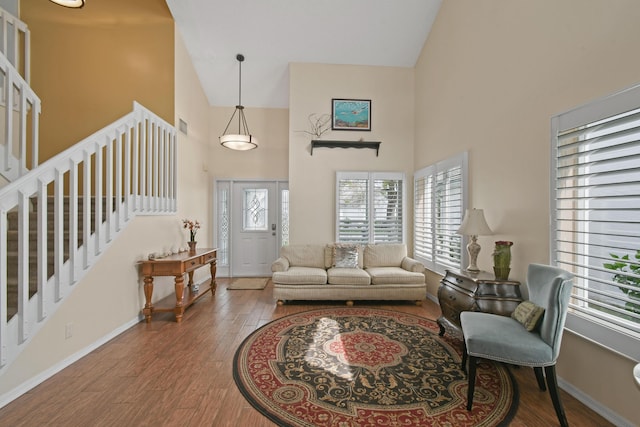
pixel 312 178
pixel 490 77
pixel 88 65
pixel 268 161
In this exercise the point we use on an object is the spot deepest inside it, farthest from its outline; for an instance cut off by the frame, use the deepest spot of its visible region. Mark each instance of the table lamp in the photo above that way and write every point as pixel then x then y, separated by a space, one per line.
pixel 474 225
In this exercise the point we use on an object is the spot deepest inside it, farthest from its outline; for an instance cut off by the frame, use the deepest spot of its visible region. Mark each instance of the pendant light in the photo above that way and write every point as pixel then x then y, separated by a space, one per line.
pixel 70 3
pixel 242 140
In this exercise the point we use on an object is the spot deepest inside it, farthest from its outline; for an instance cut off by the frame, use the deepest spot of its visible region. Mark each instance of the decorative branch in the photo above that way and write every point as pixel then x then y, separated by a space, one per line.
pixel 319 123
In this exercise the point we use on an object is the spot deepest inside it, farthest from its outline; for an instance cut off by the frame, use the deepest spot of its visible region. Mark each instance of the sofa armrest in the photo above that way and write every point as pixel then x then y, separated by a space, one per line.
pixel 281 264
pixel 413 265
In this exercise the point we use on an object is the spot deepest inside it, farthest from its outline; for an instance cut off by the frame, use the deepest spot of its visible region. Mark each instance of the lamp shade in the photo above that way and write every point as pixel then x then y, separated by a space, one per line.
pixel 474 224
pixel 69 3
pixel 239 142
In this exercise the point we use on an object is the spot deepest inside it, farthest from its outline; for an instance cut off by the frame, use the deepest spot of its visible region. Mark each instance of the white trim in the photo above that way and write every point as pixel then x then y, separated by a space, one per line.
pixel 23 388
pixel 594 405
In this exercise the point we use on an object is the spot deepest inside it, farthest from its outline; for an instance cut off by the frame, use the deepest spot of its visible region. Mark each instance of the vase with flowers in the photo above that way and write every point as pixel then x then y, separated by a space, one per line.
pixel 502 259
pixel 193 227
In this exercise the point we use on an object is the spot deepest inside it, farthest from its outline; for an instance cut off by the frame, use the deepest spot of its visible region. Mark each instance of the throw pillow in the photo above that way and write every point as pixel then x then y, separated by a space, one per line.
pixel 345 255
pixel 528 314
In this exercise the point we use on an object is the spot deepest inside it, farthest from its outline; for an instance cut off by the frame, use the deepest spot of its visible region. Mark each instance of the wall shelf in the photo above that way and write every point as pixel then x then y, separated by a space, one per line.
pixel 374 145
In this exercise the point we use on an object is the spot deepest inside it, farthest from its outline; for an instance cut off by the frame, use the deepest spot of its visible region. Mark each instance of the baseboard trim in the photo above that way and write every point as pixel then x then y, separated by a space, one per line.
pixel 433 298
pixel 594 405
pixel 23 388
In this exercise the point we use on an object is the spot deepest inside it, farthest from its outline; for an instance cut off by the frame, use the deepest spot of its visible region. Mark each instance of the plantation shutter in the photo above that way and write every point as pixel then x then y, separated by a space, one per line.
pixel 596 233
pixel 448 212
pixel 387 211
pixel 424 222
pixel 370 207
pixel 353 208
pixel 439 204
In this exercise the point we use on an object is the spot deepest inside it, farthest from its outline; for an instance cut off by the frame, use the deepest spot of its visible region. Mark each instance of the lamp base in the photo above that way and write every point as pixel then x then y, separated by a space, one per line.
pixel 474 249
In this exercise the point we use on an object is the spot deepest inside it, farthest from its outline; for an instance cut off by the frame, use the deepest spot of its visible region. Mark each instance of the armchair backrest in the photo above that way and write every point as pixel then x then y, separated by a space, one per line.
pixel 550 288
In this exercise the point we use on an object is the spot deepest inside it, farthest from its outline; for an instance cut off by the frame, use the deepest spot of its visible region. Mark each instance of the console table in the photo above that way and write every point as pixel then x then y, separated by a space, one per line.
pixel 177 265
pixel 465 291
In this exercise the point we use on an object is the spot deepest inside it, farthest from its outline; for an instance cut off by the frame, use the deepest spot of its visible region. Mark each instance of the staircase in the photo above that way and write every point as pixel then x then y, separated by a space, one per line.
pixel 56 218
pixel 13 247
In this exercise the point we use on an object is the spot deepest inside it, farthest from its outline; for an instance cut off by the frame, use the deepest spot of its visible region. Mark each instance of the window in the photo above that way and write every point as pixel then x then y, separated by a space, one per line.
pixel 370 207
pixel 439 202
pixel 595 204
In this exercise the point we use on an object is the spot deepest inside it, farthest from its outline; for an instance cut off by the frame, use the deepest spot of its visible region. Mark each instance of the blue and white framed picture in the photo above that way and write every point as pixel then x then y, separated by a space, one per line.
pixel 350 114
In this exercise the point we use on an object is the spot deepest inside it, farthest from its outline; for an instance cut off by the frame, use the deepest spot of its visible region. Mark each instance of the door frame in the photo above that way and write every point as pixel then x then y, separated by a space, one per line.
pixel 225 215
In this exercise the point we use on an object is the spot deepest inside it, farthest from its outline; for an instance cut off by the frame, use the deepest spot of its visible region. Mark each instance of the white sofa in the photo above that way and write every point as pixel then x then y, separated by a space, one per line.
pixel 347 272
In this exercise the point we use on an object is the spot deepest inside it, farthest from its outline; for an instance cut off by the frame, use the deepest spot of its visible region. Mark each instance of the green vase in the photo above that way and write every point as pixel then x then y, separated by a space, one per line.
pixel 502 259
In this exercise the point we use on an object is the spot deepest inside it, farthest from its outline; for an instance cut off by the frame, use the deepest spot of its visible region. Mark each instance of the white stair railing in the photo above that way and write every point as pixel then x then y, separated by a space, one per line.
pixel 15 43
pixel 21 111
pixel 20 118
pixel 98 185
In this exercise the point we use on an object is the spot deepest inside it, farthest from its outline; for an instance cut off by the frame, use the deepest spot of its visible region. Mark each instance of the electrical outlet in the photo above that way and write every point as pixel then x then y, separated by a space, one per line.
pixel 68 330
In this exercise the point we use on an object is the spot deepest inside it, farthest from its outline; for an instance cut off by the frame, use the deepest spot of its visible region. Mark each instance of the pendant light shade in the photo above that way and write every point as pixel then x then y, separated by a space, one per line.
pixel 242 140
pixel 70 3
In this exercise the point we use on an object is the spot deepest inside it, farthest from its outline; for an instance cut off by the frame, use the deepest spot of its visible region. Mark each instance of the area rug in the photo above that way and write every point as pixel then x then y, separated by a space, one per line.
pixel 248 283
pixel 356 366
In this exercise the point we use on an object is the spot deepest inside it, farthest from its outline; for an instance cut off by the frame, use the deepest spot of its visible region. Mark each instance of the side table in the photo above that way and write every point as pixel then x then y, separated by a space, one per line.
pixel 466 291
pixel 177 265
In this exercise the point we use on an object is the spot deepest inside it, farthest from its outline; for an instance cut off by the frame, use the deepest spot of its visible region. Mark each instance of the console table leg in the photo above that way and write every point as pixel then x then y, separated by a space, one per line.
pixel 214 285
pixel 148 292
pixel 179 286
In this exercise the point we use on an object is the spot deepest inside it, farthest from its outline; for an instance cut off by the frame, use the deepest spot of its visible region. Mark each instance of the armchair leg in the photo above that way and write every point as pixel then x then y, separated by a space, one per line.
pixel 552 382
pixel 540 378
pixel 472 381
pixel 463 365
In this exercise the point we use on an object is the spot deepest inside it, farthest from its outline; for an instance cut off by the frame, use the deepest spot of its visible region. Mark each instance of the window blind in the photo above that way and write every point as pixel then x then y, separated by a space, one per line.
pixel 596 217
pixel 370 207
pixel 353 210
pixel 439 204
pixel 387 211
pixel 597 208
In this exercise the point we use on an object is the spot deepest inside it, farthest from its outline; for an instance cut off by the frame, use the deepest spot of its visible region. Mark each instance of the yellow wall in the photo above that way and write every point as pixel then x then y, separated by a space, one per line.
pixel 312 179
pixel 490 77
pixel 88 65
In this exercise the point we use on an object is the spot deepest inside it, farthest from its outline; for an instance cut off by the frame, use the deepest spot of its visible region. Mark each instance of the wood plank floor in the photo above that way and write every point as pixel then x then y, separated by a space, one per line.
pixel 169 374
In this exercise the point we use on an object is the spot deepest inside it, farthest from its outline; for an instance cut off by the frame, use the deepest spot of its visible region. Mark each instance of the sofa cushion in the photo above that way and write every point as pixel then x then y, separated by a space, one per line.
pixel 345 255
pixel 301 276
pixel 329 258
pixel 304 255
pixel 394 275
pixel 384 255
pixel 348 276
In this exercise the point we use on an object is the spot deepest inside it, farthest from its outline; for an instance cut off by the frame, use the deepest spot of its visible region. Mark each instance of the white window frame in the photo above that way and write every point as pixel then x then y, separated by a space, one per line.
pixel 426 236
pixel 581 319
pixel 371 177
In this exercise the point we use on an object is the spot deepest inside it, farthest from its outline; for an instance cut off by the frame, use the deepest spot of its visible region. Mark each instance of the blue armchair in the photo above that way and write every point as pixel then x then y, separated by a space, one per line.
pixel 504 339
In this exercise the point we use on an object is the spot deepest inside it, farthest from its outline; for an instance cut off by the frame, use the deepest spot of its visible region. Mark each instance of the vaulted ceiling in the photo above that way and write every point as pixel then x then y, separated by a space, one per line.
pixel 273 33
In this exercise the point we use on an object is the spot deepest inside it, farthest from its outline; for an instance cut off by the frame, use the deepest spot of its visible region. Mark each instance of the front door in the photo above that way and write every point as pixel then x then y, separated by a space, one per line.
pixel 254 228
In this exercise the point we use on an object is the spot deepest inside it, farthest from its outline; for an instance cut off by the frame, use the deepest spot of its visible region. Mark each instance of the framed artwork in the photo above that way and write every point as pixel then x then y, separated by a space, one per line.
pixel 351 114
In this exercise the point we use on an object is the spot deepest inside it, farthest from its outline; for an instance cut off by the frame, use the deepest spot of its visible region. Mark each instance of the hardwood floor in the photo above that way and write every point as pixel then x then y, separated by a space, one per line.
pixel 169 374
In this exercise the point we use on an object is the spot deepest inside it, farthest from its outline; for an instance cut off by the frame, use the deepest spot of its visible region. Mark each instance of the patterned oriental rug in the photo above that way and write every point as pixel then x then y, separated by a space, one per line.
pixel 366 367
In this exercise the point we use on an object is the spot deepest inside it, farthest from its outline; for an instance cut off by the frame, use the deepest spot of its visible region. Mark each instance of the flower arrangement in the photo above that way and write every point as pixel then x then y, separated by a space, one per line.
pixel 193 227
